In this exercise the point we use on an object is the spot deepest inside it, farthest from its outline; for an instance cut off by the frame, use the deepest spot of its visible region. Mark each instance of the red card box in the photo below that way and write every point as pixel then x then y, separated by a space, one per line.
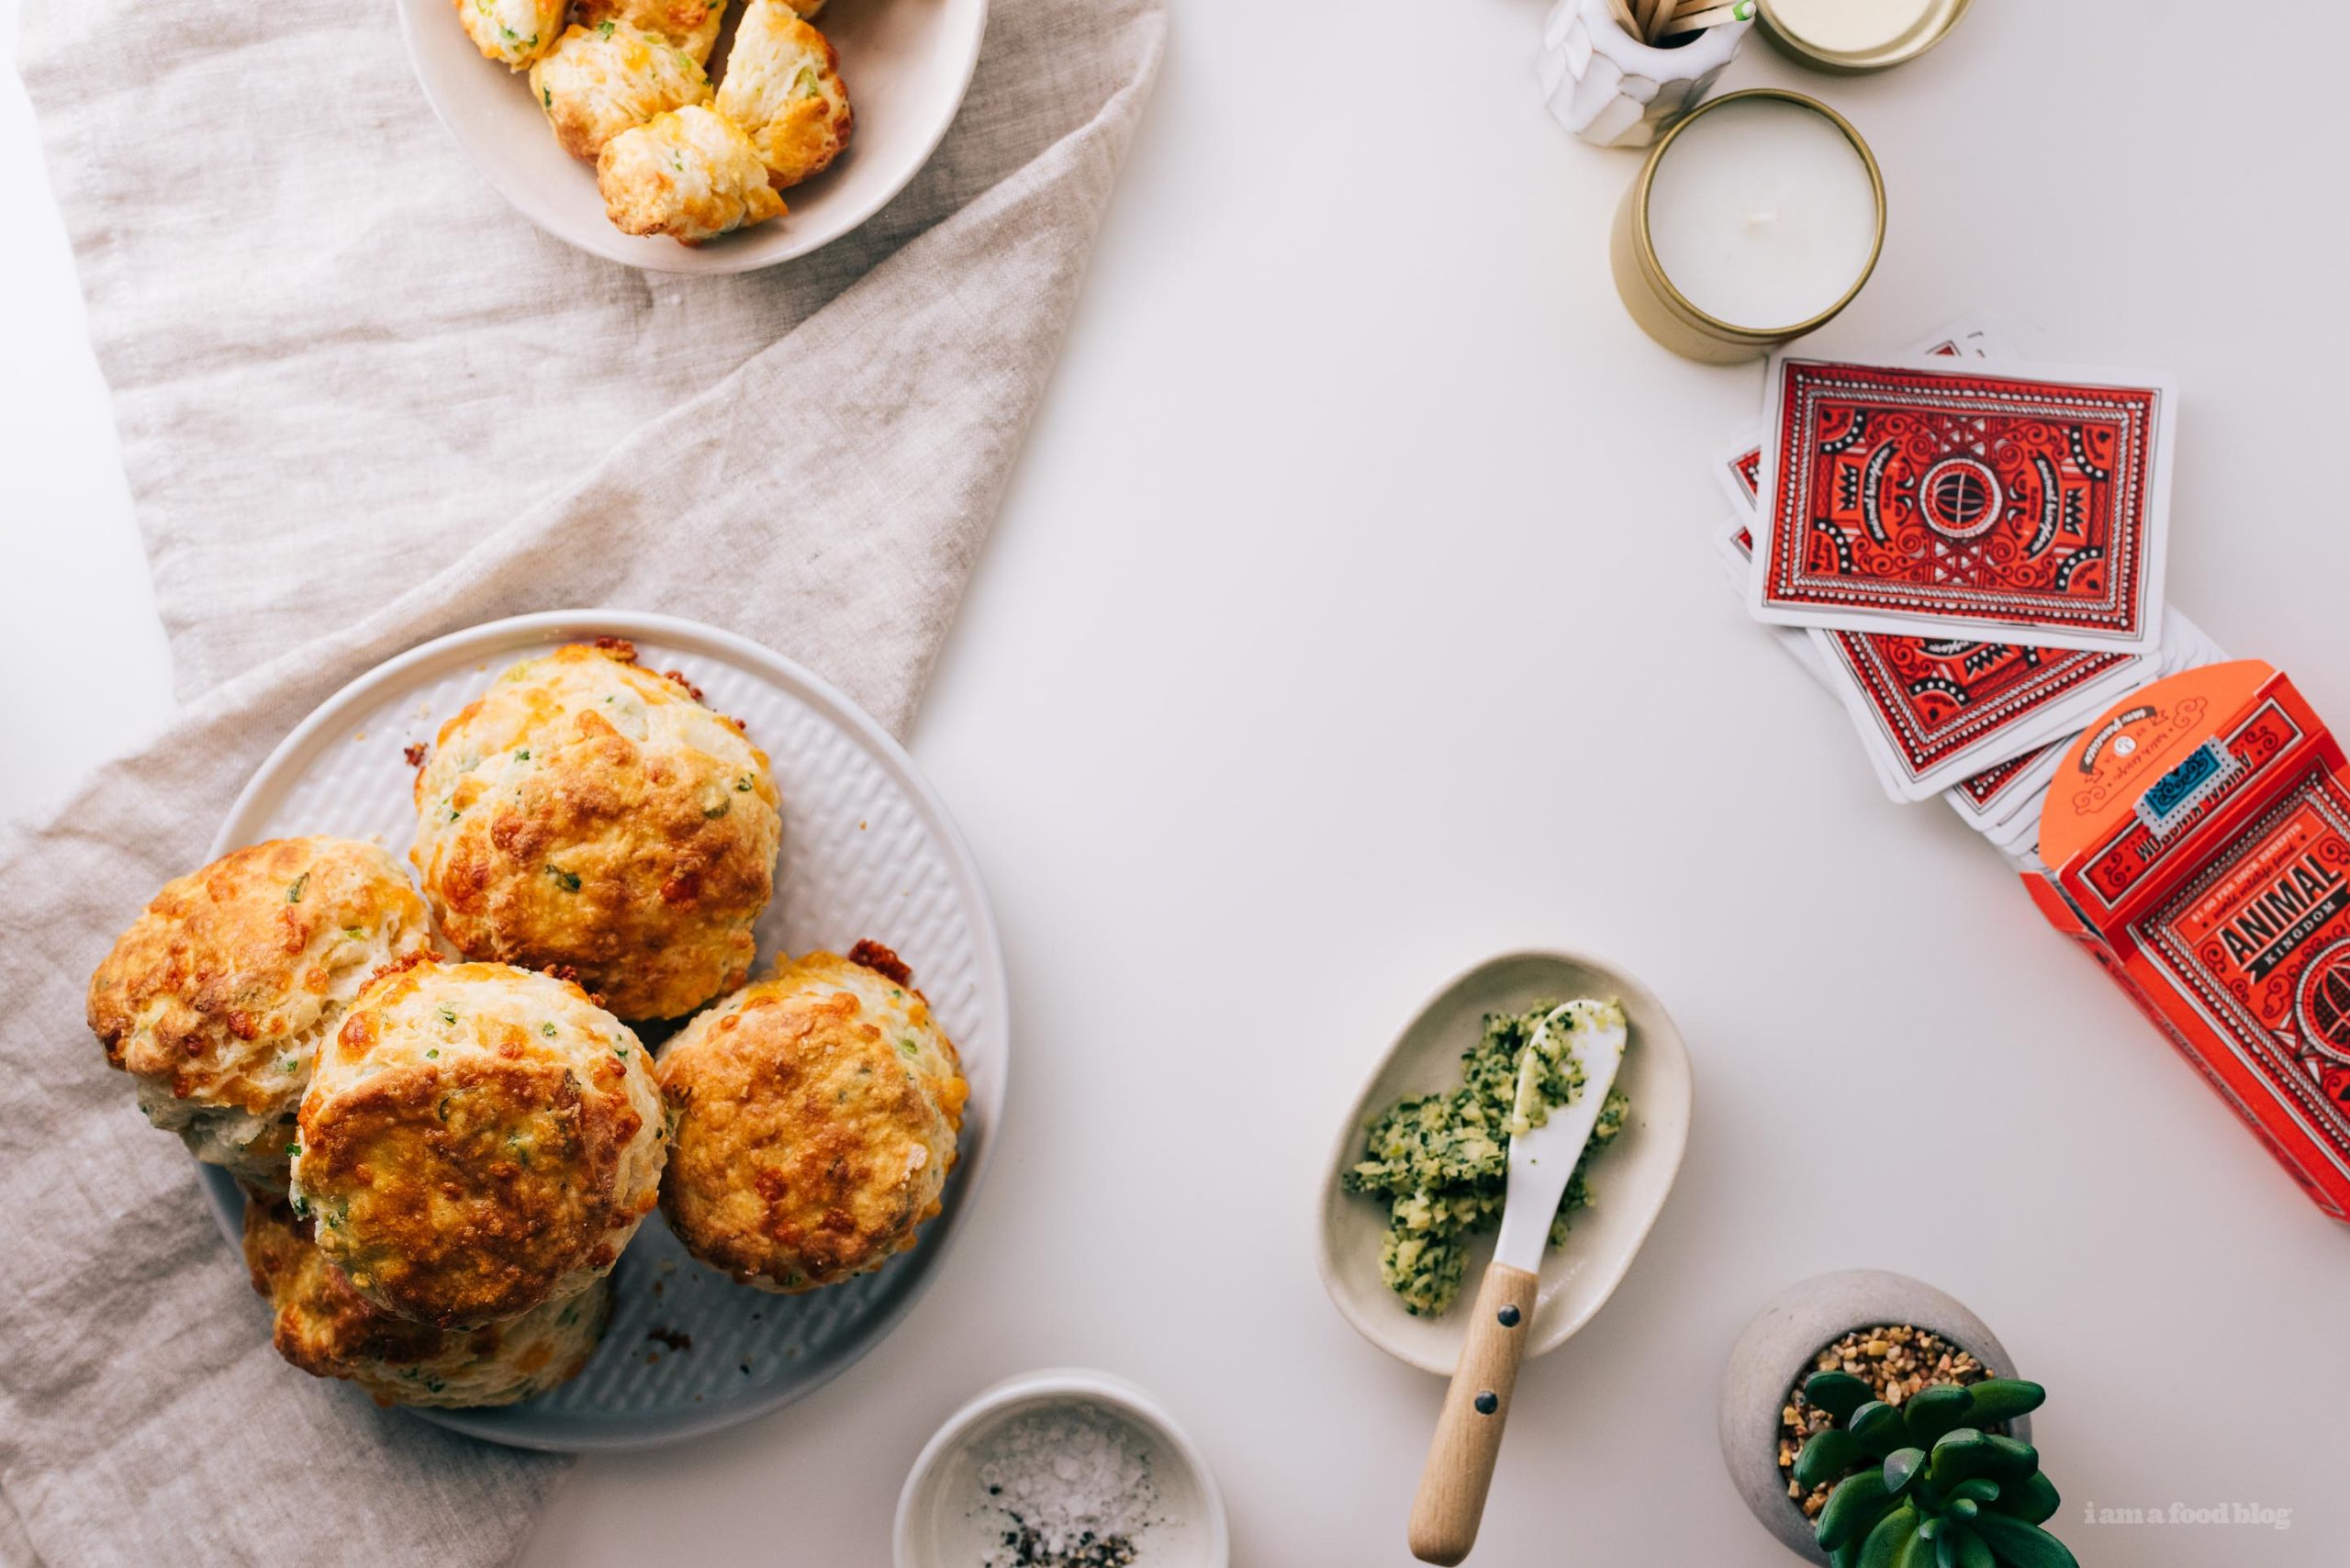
pixel 2197 841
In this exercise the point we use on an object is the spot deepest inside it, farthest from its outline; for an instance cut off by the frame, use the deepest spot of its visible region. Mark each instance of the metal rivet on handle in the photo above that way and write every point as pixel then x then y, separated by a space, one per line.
pixel 1486 1402
pixel 1509 1317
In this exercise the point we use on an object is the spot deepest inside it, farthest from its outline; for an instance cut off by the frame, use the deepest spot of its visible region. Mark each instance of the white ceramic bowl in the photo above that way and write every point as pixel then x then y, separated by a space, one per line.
pixel 942 1522
pixel 1628 1181
pixel 907 63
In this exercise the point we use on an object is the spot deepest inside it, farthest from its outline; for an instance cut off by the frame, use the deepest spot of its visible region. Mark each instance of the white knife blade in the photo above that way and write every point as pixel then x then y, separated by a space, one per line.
pixel 1542 1159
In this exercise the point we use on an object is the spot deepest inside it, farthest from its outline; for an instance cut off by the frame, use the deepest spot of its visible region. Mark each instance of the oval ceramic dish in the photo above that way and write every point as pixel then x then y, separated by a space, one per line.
pixel 1629 1181
pixel 868 851
pixel 906 64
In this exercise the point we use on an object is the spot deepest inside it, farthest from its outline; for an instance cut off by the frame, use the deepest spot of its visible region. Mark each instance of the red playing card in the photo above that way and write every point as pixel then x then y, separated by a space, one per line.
pixel 1742 469
pixel 1936 712
pixel 1920 498
pixel 1984 797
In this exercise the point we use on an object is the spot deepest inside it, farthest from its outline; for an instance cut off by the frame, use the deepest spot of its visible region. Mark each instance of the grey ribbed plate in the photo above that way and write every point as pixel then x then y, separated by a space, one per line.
pixel 868 851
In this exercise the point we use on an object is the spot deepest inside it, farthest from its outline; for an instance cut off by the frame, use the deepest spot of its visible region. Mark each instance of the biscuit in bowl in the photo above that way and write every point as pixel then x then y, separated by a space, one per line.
pixel 512 32
pixel 589 814
pixel 327 1329
pixel 477 1141
pixel 598 82
pixel 691 25
pixel 691 174
pixel 813 1118
pixel 217 998
pixel 783 88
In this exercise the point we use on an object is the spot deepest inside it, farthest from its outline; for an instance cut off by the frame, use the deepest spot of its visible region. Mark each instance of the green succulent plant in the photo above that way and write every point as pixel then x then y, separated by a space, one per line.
pixel 1927 1485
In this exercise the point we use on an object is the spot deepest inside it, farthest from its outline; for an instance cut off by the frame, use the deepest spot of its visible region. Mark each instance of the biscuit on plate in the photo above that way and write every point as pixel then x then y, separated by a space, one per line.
pixel 512 32
pixel 783 88
pixel 813 1118
pixel 218 997
pixel 691 25
pixel 477 1141
pixel 327 1329
pixel 598 82
pixel 589 814
pixel 691 174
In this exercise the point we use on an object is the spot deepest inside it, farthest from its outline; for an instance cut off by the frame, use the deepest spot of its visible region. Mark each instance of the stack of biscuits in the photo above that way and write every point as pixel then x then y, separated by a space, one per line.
pixel 445 1126
pixel 626 85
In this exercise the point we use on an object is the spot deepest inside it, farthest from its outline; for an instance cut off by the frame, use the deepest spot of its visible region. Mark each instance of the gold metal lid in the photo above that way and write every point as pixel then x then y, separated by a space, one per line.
pixel 1809 30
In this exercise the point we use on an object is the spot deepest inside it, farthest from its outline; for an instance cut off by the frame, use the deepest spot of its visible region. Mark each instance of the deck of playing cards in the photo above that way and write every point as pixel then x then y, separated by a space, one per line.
pixel 1969 558
pixel 1968 554
pixel 2196 842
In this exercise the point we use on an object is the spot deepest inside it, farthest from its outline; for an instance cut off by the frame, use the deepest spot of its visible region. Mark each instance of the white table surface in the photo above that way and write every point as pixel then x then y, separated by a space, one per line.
pixel 1358 510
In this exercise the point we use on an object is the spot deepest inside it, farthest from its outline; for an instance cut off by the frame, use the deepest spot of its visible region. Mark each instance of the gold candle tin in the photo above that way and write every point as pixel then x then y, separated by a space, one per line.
pixel 1662 311
pixel 1932 23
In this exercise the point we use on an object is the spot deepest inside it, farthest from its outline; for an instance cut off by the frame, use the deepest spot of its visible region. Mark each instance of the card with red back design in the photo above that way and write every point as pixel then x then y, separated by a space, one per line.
pixel 1970 501
pixel 1933 712
pixel 1739 467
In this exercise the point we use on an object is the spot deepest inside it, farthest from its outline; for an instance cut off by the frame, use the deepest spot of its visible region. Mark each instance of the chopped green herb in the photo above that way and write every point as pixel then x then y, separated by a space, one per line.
pixel 293 1149
pixel 546 95
pixel 448 1014
pixel 289 1064
pixel 568 881
pixel 743 785
pixel 547 1028
pixel 719 809
pixel 431 1054
pixel 294 888
pixel 1441 1162
pixel 604 29
pixel 525 754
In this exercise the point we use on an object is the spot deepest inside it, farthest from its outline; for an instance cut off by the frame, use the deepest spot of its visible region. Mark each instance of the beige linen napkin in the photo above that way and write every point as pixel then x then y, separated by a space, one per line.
pixel 337 357
pixel 353 421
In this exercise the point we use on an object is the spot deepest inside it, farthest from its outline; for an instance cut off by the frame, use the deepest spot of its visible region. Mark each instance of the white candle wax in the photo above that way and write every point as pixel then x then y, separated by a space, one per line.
pixel 1762 213
pixel 1850 27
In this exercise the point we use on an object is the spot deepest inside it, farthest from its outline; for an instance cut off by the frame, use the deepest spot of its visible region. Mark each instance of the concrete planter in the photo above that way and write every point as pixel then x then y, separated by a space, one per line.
pixel 1777 1347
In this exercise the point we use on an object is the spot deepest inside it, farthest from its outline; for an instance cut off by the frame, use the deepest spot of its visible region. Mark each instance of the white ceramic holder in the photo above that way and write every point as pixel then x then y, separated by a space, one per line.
pixel 1614 91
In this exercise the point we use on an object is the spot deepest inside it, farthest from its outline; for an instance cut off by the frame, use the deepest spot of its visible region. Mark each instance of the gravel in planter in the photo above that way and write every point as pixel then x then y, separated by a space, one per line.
pixel 1896 1361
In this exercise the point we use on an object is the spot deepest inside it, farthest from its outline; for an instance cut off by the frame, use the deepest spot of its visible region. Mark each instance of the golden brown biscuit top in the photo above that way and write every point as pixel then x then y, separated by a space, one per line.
pixel 473 1136
pixel 589 814
pixel 216 987
pixel 814 1118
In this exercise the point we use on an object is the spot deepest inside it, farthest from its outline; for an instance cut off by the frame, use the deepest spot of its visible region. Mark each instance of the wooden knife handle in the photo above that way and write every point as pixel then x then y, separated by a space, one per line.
pixel 1451 1500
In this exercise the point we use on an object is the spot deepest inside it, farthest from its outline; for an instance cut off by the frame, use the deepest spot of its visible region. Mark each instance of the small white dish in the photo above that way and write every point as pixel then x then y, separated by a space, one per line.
pixel 1629 1179
pixel 944 1520
pixel 906 62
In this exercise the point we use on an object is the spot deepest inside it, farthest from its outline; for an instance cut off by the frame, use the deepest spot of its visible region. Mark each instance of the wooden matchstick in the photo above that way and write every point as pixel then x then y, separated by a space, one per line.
pixel 1694 16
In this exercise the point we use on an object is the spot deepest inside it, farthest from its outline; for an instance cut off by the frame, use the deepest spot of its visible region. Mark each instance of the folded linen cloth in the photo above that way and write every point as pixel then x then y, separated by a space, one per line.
pixel 342 441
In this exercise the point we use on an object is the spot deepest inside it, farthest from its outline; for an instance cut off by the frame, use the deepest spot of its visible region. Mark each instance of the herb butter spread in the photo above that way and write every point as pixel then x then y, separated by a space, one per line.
pixel 1442 1160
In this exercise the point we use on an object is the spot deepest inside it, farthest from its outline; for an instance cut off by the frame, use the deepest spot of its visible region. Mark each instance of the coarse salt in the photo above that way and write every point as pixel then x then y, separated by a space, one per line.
pixel 1069 1487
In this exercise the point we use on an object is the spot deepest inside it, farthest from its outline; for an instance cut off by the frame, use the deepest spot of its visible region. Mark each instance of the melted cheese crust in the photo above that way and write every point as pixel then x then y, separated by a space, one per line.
pixel 593 816
pixel 783 88
pixel 477 1141
pixel 217 998
pixel 814 1118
